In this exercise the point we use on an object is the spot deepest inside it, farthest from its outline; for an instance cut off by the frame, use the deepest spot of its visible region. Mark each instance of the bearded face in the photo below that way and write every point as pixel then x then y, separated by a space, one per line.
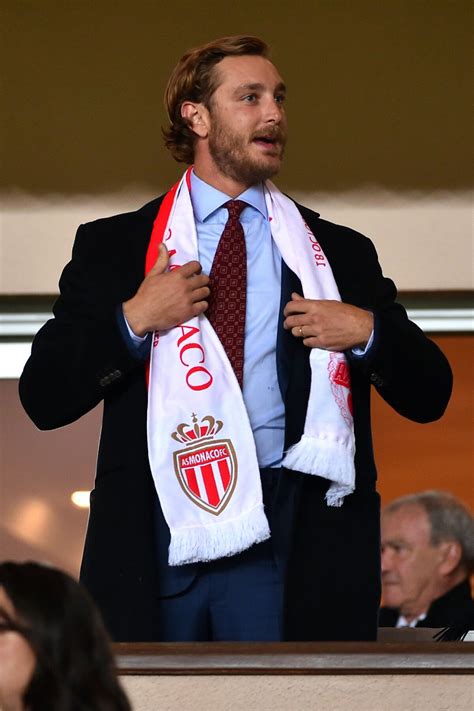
pixel 242 131
pixel 246 156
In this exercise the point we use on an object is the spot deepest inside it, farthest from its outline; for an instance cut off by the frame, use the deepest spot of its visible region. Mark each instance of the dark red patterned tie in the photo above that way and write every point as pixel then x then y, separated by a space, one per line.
pixel 228 284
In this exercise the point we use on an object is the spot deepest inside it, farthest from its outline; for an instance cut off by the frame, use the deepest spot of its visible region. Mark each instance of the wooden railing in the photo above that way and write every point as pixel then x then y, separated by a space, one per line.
pixel 310 658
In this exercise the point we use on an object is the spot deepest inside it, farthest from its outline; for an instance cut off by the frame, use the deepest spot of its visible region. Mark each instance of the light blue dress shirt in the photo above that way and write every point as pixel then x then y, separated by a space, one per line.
pixel 261 391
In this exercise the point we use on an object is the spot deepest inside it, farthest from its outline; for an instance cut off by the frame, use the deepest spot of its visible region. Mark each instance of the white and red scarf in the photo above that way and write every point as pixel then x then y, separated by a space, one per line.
pixel 200 443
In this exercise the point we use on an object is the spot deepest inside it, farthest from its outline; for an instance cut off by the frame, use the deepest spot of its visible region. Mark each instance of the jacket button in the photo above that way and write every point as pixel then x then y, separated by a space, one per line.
pixel 376 379
pixel 116 374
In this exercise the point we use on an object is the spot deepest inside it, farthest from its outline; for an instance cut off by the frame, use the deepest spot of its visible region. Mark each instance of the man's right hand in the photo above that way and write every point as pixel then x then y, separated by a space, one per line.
pixel 165 299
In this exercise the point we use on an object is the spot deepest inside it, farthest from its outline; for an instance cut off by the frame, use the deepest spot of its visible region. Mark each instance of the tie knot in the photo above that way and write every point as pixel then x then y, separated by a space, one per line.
pixel 235 207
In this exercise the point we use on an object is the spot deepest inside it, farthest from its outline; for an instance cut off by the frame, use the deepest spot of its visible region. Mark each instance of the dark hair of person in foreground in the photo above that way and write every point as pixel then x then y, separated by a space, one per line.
pixel 75 669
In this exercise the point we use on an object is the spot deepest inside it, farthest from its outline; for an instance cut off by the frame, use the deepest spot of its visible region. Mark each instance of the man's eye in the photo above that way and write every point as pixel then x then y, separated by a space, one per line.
pixel 250 98
pixel 280 98
pixel 399 549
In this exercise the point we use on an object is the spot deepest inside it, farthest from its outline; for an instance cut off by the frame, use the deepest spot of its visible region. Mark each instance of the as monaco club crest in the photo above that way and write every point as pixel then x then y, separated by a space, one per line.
pixel 341 385
pixel 206 468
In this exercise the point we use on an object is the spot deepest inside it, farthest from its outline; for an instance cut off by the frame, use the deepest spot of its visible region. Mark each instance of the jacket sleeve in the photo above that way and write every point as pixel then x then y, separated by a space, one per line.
pixel 81 354
pixel 409 370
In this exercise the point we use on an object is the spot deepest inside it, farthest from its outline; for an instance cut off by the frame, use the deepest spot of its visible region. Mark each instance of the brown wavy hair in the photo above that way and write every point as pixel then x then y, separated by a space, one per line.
pixel 194 79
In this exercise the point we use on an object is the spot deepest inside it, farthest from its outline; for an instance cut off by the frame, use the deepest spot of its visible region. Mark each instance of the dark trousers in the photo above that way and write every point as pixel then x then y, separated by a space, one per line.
pixel 231 599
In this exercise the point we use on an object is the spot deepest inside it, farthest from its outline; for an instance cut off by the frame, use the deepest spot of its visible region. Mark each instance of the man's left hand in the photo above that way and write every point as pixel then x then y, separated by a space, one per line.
pixel 329 325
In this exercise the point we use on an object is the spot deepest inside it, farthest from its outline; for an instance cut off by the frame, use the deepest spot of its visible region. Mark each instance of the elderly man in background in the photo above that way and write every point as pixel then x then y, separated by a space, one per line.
pixel 427 558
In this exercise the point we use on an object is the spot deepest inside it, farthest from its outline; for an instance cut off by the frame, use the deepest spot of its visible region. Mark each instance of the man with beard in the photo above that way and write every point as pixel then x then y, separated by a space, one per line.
pixel 230 500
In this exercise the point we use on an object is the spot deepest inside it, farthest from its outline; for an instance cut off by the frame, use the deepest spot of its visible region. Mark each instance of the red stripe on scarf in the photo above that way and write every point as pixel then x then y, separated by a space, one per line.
pixel 157 234
pixel 161 220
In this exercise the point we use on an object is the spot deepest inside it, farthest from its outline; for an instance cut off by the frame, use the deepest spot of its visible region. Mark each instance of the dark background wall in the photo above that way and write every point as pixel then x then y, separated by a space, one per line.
pixel 379 91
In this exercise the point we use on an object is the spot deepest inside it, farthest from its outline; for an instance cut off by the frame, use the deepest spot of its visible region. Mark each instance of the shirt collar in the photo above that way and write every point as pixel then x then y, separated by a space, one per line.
pixel 403 622
pixel 206 199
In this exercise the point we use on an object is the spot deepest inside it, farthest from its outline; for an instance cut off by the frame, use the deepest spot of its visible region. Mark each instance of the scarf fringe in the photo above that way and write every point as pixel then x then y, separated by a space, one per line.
pixel 204 543
pixel 335 494
pixel 325 458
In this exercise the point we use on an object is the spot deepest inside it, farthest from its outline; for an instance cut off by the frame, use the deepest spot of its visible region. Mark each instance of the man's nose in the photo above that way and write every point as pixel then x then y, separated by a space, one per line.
pixel 386 561
pixel 273 111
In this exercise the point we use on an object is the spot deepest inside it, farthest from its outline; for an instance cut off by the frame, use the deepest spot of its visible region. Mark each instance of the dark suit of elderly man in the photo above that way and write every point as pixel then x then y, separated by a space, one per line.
pixel 243 506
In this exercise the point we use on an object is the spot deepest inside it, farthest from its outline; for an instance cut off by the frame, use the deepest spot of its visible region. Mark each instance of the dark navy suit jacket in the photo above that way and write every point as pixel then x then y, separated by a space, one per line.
pixel 80 358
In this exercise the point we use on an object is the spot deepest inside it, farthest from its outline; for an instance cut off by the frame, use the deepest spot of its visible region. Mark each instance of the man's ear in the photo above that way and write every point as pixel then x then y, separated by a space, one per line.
pixel 451 552
pixel 196 116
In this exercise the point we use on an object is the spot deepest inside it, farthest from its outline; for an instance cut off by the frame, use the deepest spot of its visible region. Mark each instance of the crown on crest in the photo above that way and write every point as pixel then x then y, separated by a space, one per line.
pixel 190 434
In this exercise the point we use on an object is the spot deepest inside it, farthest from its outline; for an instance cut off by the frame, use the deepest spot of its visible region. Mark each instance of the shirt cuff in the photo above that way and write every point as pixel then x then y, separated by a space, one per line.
pixel 139 346
pixel 136 339
pixel 359 352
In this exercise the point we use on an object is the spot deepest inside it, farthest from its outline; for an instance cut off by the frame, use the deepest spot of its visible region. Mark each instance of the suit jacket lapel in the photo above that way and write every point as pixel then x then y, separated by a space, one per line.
pixel 285 340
